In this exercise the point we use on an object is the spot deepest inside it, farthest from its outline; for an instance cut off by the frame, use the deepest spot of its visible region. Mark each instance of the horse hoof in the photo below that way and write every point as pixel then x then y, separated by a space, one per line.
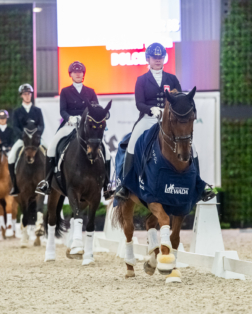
pixel 37 242
pixel 166 263
pixel 68 253
pixel 76 253
pixel 49 256
pixel 130 274
pixel 23 245
pixel 174 277
pixel 148 269
pixel 39 232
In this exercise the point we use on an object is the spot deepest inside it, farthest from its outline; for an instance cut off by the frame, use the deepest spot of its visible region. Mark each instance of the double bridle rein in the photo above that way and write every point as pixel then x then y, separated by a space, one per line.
pixel 175 139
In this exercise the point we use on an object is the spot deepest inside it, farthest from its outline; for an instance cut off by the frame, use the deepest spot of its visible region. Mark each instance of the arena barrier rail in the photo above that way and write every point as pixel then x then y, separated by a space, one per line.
pixel 206 249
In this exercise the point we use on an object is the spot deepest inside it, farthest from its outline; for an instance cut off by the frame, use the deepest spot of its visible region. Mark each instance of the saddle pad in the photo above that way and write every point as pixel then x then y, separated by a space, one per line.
pixel 154 179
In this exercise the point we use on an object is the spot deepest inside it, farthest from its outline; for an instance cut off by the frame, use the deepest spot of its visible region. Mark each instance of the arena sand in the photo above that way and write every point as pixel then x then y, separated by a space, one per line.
pixel 28 285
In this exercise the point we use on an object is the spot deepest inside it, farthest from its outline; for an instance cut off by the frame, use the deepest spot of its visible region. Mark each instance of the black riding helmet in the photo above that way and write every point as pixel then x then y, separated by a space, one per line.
pixel 76 66
pixel 25 88
pixel 155 50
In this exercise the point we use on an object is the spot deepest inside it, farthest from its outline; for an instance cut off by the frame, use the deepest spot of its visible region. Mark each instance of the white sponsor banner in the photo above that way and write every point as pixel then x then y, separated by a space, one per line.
pixel 124 114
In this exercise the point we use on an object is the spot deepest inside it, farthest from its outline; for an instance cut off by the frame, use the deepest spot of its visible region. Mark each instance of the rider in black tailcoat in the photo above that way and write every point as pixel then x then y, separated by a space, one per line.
pixel 6 132
pixel 73 102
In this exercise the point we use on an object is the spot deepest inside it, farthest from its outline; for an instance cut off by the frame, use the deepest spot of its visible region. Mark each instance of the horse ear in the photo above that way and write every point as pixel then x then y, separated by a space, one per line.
pixel 192 93
pixel 169 97
pixel 107 108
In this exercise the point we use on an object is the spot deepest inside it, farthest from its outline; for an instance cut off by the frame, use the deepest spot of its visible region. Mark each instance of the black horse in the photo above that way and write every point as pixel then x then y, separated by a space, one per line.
pixel 30 171
pixel 84 174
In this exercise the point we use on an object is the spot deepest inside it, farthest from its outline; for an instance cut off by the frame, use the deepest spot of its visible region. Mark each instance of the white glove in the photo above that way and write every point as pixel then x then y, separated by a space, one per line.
pixel 73 120
pixel 156 111
pixel 79 118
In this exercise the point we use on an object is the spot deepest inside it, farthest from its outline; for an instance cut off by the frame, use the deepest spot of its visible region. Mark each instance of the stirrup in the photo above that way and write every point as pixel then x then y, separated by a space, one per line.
pixel 43 188
pixel 123 193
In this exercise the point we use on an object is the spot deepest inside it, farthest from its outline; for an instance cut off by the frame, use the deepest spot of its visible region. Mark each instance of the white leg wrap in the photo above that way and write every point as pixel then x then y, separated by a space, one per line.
pixel 153 261
pixel 70 234
pixel 153 240
pixel 50 245
pixel 77 244
pixel 9 220
pixel 24 236
pixel 2 223
pixel 165 237
pixel 88 256
pixel 9 231
pixel 39 219
pixel 129 256
pixel 14 221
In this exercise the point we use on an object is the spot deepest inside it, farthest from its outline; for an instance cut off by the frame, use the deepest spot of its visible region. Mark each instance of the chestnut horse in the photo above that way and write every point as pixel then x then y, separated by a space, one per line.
pixel 8 205
pixel 175 140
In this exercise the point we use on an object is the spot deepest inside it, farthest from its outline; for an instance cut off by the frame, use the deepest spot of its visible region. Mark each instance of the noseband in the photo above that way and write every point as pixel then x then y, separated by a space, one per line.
pixel 175 139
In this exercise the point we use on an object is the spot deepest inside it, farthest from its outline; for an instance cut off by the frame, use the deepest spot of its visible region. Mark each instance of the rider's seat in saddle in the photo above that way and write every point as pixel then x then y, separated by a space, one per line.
pixel 154 179
pixel 59 159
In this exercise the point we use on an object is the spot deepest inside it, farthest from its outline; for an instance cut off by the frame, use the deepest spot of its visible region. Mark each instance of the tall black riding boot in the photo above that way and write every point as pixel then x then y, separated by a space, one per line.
pixel 14 191
pixel 44 186
pixel 107 194
pixel 122 191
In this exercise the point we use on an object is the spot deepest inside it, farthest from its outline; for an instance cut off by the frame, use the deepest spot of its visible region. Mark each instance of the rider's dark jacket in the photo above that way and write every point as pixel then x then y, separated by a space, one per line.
pixel 21 116
pixel 73 103
pixel 148 94
pixel 6 137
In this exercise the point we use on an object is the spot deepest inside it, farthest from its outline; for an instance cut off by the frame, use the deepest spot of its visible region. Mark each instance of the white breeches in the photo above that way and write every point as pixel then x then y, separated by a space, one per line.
pixel 13 152
pixel 65 131
pixel 145 124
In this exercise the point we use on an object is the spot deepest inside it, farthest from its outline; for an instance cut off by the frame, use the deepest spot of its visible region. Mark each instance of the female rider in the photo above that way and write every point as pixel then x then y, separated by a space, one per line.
pixel 150 100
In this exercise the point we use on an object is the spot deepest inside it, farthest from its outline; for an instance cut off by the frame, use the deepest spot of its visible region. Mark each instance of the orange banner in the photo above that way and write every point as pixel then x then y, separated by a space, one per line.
pixel 101 75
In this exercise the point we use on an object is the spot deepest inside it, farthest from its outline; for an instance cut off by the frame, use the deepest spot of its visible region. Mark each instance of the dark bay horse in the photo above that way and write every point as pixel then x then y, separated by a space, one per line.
pixel 84 173
pixel 8 205
pixel 30 171
pixel 174 141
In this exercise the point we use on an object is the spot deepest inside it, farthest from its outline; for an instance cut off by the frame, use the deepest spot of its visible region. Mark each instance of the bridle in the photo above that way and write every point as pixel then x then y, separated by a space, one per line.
pixel 175 139
pixel 90 140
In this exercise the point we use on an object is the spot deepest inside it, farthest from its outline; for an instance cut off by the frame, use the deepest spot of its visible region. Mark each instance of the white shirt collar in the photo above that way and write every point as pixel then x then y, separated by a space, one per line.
pixel 78 86
pixel 3 127
pixel 27 107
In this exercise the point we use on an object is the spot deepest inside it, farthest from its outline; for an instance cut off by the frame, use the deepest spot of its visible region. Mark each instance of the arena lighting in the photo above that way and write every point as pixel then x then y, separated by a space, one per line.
pixel 37 10
pixel 112 44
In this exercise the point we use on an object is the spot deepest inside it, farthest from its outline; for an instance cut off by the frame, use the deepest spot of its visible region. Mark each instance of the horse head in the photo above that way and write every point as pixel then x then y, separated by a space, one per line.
pixel 31 138
pixel 92 126
pixel 177 125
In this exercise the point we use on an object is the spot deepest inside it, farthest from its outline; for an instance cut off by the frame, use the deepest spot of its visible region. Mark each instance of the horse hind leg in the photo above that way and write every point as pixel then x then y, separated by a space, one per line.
pixel 153 245
pixel 2 221
pixel 24 241
pixel 9 226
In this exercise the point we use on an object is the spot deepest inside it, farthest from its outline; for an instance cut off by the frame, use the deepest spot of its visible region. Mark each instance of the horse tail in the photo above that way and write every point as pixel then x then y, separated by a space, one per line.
pixel 117 216
pixel 60 223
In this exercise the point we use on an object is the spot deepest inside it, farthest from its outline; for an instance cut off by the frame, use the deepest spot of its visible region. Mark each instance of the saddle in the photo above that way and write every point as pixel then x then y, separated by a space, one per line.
pixel 59 158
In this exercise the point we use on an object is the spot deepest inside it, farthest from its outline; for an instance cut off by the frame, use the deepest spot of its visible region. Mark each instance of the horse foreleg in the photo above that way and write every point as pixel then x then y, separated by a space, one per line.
pixel 88 256
pixel 175 275
pixel 14 216
pixel 127 209
pixel 77 244
pixel 39 226
pixel 2 221
pixel 9 229
pixel 153 245
pixel 51 221
pixel 166 260
pixel 24 241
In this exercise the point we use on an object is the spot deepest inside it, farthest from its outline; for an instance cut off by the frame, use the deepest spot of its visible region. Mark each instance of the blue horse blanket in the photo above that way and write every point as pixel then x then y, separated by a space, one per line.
pixel 154 179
